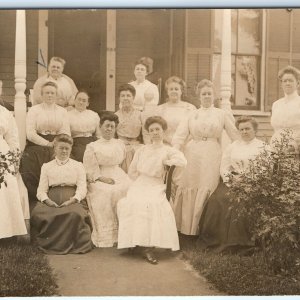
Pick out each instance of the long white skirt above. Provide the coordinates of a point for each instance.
(146, 217)
(11, 214)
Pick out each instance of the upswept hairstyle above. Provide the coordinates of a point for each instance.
(176, 79)
(289, 70)
(64, 138)
(59, 59)
(109, 116)
(156, 119)
(244, 119)
(49, 83)
(126, 87)
(203, 83)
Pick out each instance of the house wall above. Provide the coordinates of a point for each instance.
(7, 46)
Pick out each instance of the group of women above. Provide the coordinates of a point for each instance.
(117, 165)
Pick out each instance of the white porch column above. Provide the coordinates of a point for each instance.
(20, 75)
(111, 60)
(226, 60)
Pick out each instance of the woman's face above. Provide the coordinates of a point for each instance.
(108, 129)
(247, 131)
(140, 72)
(126, 99)
(156, 132)
(49, 94)
(289, 83)
(206, 96)
(174, 91)
(55, 69)
(62, 150)
(81, 101)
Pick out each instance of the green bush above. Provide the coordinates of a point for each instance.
(268, 193)
(24, 271)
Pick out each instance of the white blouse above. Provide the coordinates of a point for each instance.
(237, 155)
(8, 129)
(54, 173)
(150, 160)
(46, 119)
(286, 114)
(205, 123)
(140, 88)
(102, 154)
(174, 114)
(84, 123)
(130, 125)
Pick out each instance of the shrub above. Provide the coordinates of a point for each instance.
(268, 193)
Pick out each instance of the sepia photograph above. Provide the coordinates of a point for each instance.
(149, 152)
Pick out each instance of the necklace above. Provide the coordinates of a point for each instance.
(60, 162)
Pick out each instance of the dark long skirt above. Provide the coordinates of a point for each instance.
(33, 158)
(62, 230)
(221, 226)
(79, 145)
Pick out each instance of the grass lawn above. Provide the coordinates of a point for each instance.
(24, 270)
(237, 274)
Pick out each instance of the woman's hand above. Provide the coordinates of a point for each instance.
(106, 180)
(50, 203)
(50, 144)
(72, 200)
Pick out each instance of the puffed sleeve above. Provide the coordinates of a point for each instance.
(132, 171)
(154, 90)
(65, 128)
(225, 167)
(42, 191)
(81, 189)
(229, 125)
(90, 164)
(11, 136)
(182, 132)
(31, 128)
(175, 158)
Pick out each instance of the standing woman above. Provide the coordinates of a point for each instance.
(84, 125)
(61, 222)
(286, 111)
(11, 214)
(43, 122)
(107, 182)
(142, 68)
(130, 123)
(203, 153)
(145, 216)
(174, 110)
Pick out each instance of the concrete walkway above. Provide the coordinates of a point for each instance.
(112, 272)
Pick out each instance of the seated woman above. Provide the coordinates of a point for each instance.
(43, 122)
(62, 224)
(84, 125)
(107, 182)
(11, 215)
(130, 123)
(145, 216)
(221, 226)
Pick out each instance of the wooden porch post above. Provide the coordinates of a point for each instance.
(20, 75)
(111, 60)
(226, 60)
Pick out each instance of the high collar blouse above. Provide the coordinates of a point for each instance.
(46, 119)
(84, 123)
(54, 173)
(237, 155)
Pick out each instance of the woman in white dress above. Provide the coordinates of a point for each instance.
(84, 125)
(221, 226)
(203, 153)
(130, 123)
(43, 122)
(12, 221)
(286, 110)
(61, 222)
(145, 216)
(142, 85)
(107, 182)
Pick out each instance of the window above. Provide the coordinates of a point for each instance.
(246, 56)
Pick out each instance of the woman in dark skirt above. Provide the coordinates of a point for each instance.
(43, 122)
(84, 125)
(61, 222)
(221, 226)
